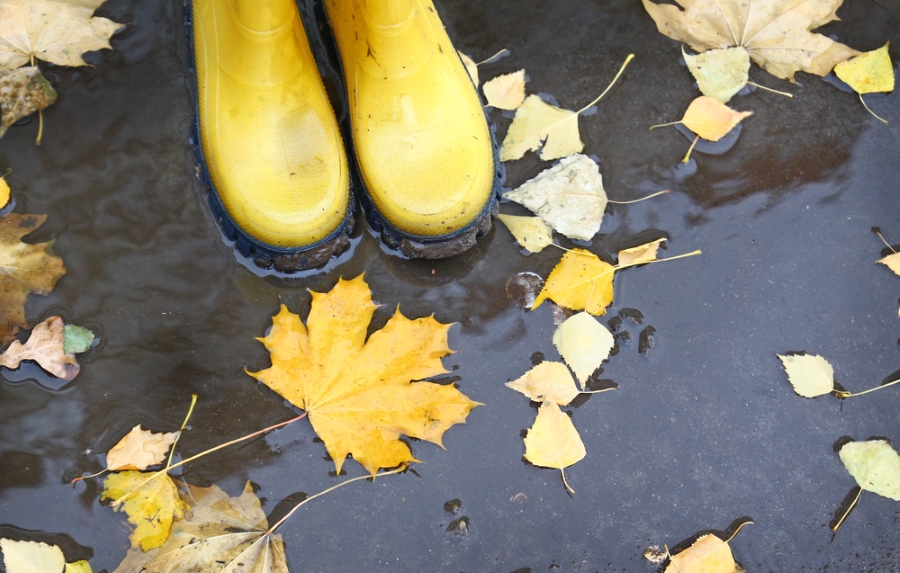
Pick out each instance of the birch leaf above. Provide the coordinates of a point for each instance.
(139, 450)
(640, 255)
(552, 441)
(506, 91)
(892, 262)
(580, 281)
(5, 191)
(875, 466)
(81, 566)
(584, 343)
(871, 72)
(151, 509)
(708, 554)
(23, 91)
(568, 196)
(538, 123)
(547, 382)
(711, 119)
(810, 375)
(31, 557)
(530, 232)
(776, 33)
(45, 346)
(471, 67)
(719, 73)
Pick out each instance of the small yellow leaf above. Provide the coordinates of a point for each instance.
(31, 557)
(711, 119)
(708, 554)
(530, 232)
(553, 441)
(471, 67)
(506, 91)
(548, 381)
(5, 193)
(584, 343)
(78, 567)
(870, 72)
(810, 375)
(892, 262)
(639, 255)
(139, 449)
(719, 73)
(875, 466)
(580, 281)
(537, 123)
(151, 509)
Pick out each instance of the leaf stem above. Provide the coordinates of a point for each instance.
(611, 84)
(870, 111)
(687, 156)
(738, 530)
(332, 488)
(880, 236)
(762, 87)
(180, 431)
(671, 560)
(843, 395)
(684, 256)
(657, 194)
(40, 134)
(119, 501)
(849, 509)
(666, 124)
(501, 54)
(566, 483)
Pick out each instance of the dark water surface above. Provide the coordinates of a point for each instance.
(703, 428)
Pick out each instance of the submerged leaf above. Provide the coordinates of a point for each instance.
(875, 466)
(360, 393)
(548, 381)
(711, 119)
(584, 343)
(708, 554)
(506, 91)
(539, 123)
(810, 375)
(720, 73)
(44, 346)
(23, 91)
(568, 196)
(139, 450)
(151, 508)
(580, 281)
(871, 72)
(530, 232)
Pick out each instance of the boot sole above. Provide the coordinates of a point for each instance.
(286, 260)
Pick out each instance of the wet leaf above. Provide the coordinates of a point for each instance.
(219, 534)
(568, 196)
(77, 339)
(360, 393)
(870, 72)
(708, 554)
(552, 441)
(151, 509)
(5, 192)
(23, 92)
(537, 124)
(24, 269)
(139, 450)
(506, 91)
(44, 346)
(719, 73)
(775, 33)
(641, 254)
(530, 232)
(471, 67)
(711, 119)
(580, 281)
(79, 567)
(892, 262)
(584, 343)
(810, 375)
(31, 557)
(875, 466)
(548, 381)
(58, 32)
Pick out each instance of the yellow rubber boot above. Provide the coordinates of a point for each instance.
(421, 139)
(269, 138)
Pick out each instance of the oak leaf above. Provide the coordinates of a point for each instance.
(537, 124)
(548, 381)
(580, 281)
(360, 394)
(719, 73)
(506, 91)
(775, 33)
(24, 269)
(219, 533)
(708, 554)
(870, 72)
(530, 232)
(139, 449)
(552, 441)
(810, 375)
(23, 91)
(152, 508)
(584, 343)
(711, 119)
(45, 346)
(875, 466)
(568, 196)
(58, 32)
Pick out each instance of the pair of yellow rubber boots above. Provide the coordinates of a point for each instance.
(276, 162)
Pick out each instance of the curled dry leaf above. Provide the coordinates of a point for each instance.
(810, 375)
(152, 508)
(775, 33)
(530, 232)
(506, 91)
(708, 554)
(719, 73)
(24, 269)
(875, 466)
(584, 343)
(360, 393)
(548, 381)
(568, 196)
(23, 91)
(537, 124)
(139, 450)
(711, 119)
(58, 32)
(552, 441)
(45, 346)
(871, 72)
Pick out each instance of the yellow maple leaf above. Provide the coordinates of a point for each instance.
(776, 33)
(552, 441)
(580, 281)
(139, 449)
(641, 254)
(56, 32)
(711, 119)
(24, 269)
(151, 508)
(360, 393)
(708, 554)
(506, 91)
(867, 73)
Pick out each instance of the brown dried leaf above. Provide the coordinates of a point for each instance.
(139, 450)
(44, 346)
(22, 92)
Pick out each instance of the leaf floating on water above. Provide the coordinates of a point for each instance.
(640, 255)
(892, 262)
(553, 441)
(77, 339)
(139, 450)
(548, 381)
(568, 196)
(710, 119)
(580, 281)
(530, 232)
(506, 91)
(44, 346)
(708, 554)
(152, 508)
(79, 567)
(360, 393)
(23, 92)
(776, 34)
(537, 124)
(870, 72)
(875, 466)
(584, 343)
(810, 375)
(720, 73)
(31, 557)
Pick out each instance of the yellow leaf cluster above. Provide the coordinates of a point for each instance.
(361, 395)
